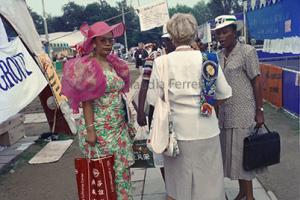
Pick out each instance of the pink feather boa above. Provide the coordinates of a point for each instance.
(83, 79)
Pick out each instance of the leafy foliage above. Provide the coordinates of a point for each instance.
(223, 7)
(38, 21)
(74, 15)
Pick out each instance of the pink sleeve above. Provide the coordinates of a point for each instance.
(82, 80)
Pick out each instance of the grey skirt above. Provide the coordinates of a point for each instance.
(232, 143)
(197, 173)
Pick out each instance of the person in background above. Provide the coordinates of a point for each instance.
(153, 54)
(195, 45)
(149, 47)
(97, 82)
(119, 53)
(203, 46)
(197, 172)
(167, 43)
(140, 55)
(206, 55)
(168, 47)
(244, 110)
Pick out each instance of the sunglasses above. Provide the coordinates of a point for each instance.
(107, 40)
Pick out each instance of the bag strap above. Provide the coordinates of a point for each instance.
(165, 78)
(256, 129)
(89, 174)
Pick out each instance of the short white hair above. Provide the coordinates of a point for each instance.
(182, 28)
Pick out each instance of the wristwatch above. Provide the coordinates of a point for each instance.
(260, 109)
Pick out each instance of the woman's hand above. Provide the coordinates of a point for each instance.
(91, 137)
(259, 118)
(141, 118)
(89, 121)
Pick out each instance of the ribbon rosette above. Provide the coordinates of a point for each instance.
(208, 87)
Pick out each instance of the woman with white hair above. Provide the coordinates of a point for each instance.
(197, 172)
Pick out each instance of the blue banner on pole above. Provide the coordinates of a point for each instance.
(291, 91)
(277, 20)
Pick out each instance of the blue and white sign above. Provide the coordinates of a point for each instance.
(21, 79)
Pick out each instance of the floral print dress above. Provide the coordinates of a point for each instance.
(112, 133)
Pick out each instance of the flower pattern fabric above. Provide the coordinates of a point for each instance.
(112, 133)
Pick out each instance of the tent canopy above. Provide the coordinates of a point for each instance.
(70, 38)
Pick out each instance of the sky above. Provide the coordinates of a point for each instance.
(54, 7)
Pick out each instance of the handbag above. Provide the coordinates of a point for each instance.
(95, 178)
(172, 149)
(143, 157)
(162, 137)
(261, 150)
(128, 116)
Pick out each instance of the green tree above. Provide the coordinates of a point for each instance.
(134, 35)
(38, 21)
(180, 9)
(55, 24)
(99, 12)
(92, 12)
(73, 16)
(201, 12)
(132, 26)
(223, 7)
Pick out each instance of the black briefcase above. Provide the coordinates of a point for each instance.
(261, 150)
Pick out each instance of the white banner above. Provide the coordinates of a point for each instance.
(204, 33)
(21, 79)
(3, 35)
(153, 16)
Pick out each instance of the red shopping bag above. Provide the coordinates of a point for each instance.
(95, 178)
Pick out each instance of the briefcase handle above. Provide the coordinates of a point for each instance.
(256, 129)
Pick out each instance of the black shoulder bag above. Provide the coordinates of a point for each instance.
(261, 150)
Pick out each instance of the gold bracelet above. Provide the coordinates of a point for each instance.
(90, 125)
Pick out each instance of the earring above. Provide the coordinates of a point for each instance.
(94, 50)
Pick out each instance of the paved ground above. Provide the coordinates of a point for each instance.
(56, 181)
(284, 179)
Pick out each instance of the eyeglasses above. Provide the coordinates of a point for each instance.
(106, 40)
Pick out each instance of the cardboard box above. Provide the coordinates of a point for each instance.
(12, 130)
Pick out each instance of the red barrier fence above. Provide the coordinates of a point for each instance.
(272, 83)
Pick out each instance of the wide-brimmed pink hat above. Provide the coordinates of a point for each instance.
(99, 29)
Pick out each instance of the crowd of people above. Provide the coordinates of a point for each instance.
(210, 118)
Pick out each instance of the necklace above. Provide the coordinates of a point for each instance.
(183, 47)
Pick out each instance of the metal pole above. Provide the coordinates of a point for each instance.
(125, 35)
(103, 2)
(45, 27)
(245, 24)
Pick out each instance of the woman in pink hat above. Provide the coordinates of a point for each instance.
(97, 82)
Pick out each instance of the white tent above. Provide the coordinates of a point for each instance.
(71, 38)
